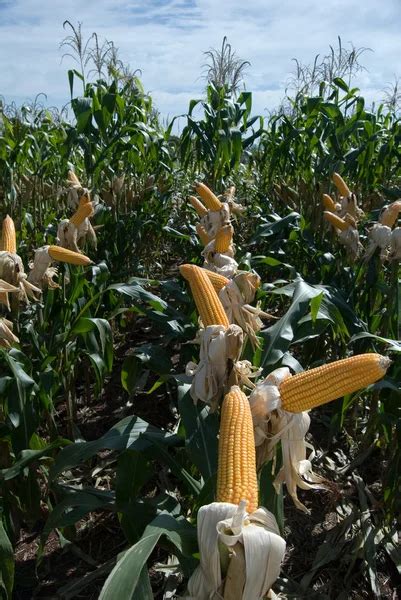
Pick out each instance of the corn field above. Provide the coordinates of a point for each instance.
(200, 374)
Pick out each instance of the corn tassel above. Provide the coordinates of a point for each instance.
(236, 473)
(211, 201)
(207, 302)
(9, 241)
(218, 281)
(202, 233)
(336, 221)
(198, 206)
(328, 203)
(341, 185)
(68, 256)
(84, 211)
(223, 239)
(306, 390)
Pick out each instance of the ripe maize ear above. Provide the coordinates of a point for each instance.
(84, 199)
(390, 215)
(340, 185)
(211, 201)
(223, 239)
(236, 472)
(336, 221)
(306, 390)
(207, 302)
(218, 281)
(68, 256)
(84, 211)
(9, 240)
(202, 233)
(198, 206)
(328, 203)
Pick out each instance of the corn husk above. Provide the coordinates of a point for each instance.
(218, 346)
(7, 338)
(272, 425)
(221, 528)
(235, 298)
(215, 219)
(12, 271)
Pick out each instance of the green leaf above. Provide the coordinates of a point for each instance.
(130, 433)
(124, 579)
(6, 565)
(278, 338)
(201, 432)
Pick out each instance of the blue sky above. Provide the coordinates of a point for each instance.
(166, 40)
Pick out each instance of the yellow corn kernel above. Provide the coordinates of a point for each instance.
(218, 281)
(306, 390)
(336, 221)
(236, 472)
(211, 201)
(328, 203)
(68, 256)
(9, 240)
(202, 233)
(84, 199)
(223, 239)
(207, 302)
(341, 185)
(84, 210)
(198, 206)
(390, 215)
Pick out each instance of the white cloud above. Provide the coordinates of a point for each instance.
(166, 40)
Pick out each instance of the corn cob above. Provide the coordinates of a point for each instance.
(68, 256)
(198, 206)
(202, 233)
(341, 185)
(336, 221)
(236, 473)
(328, 203)
(223, 239)
(218, 281)
(390, 214)
(318, 386)
(207, 302)
(84, 199)
(84, 210)
(8, 242)
(211, 201)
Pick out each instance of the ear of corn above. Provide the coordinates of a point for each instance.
(202, 233)
(223, 239)
(84, 210)
(318, 386)
(84, 199)
(211, 201)
(236, 473)
(340, 185)
(9, 240)
(198, 206)
(207, 302)
(68, 256)
(218, 281)
(336, 221)
(328, 203)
